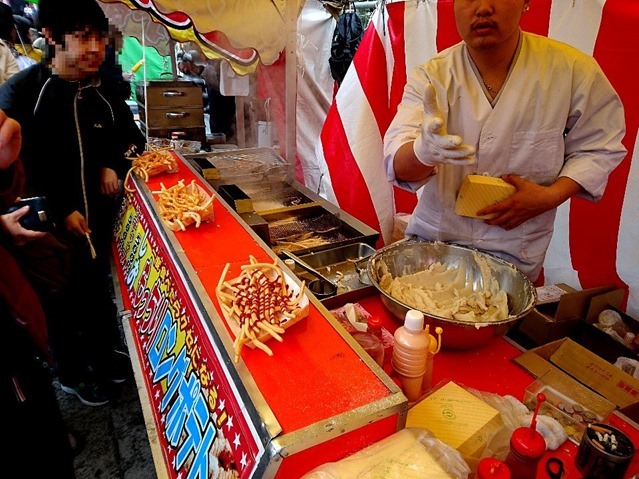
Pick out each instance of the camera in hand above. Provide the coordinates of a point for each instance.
(38, 218)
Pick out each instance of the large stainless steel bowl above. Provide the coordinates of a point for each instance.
(411, 256)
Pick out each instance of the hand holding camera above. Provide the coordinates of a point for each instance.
(27, 219)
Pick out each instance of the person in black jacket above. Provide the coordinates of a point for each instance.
(75, 135)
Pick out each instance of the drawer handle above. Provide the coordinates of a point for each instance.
(173, 115)
(172, 93)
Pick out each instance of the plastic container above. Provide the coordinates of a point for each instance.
(371, 344)
(410, 354)
(573, 405)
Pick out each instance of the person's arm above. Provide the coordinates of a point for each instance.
(529, 200)
(10, 140)
(125, 135)
(407, 167)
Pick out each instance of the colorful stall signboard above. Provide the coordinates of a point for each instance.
(202, 423)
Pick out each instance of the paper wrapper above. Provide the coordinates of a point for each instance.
(206, 214)
(169, 165)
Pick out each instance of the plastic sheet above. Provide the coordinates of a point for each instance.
(409, 453)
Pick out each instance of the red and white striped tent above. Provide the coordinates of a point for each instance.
(594, 243)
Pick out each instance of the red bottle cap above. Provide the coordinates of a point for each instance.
(527, 443)
(374, 322)
(491, 468)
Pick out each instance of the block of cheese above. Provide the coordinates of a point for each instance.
(458, 418)
(479, 191)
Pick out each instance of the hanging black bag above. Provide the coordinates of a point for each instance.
(346, 37)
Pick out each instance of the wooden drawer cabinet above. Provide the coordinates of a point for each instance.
(171, 106)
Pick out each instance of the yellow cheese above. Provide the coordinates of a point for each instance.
(478, 192)
(456, 417)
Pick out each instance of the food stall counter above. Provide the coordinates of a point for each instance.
(316, 399)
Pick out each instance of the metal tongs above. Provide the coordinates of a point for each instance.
(322, 287)
(361, 267)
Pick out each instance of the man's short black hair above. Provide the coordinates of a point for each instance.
(6, 21)
(70, 16)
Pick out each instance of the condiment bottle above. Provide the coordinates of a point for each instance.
(433, 348)
(410, 354)
(527, 446)
(491, 468)
(374, 326)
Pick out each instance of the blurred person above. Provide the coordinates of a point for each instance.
(221, 107)
(536, 112)
(111, 74)
(23, 42)
(76, 133)
(33, 421)
(8, 64)
(9, 35)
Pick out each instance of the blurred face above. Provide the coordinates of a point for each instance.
(489, 24)
(81, 54)
(187, 67)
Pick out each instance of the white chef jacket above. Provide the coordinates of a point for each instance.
(556, 115)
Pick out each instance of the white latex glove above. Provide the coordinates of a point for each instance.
(435, 145)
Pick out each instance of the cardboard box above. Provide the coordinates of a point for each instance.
(556, 317)
(569, 358)
(599, 342)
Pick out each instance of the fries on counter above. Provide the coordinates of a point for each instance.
(182, 205)
(260, 304)
(151, 163)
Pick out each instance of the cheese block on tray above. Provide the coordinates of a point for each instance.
(478, 192)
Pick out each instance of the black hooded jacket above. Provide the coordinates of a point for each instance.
(70, 132)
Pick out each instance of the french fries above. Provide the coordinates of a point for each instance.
(182, 205)
(151, 163)
(261, 303)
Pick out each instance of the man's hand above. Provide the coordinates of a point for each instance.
(109, 182)
(528, 201)
(10, 223)
(435, 145)
(76, 224)
(10, 140)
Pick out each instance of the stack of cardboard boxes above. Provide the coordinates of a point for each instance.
(572, 348)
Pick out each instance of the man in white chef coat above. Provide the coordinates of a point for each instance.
(504, 103)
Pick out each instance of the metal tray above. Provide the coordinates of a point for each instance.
(311, 229)
(339, 265)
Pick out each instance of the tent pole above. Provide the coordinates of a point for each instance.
(173, 59)
(291, 81)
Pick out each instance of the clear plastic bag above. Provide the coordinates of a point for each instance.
(409, 453)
